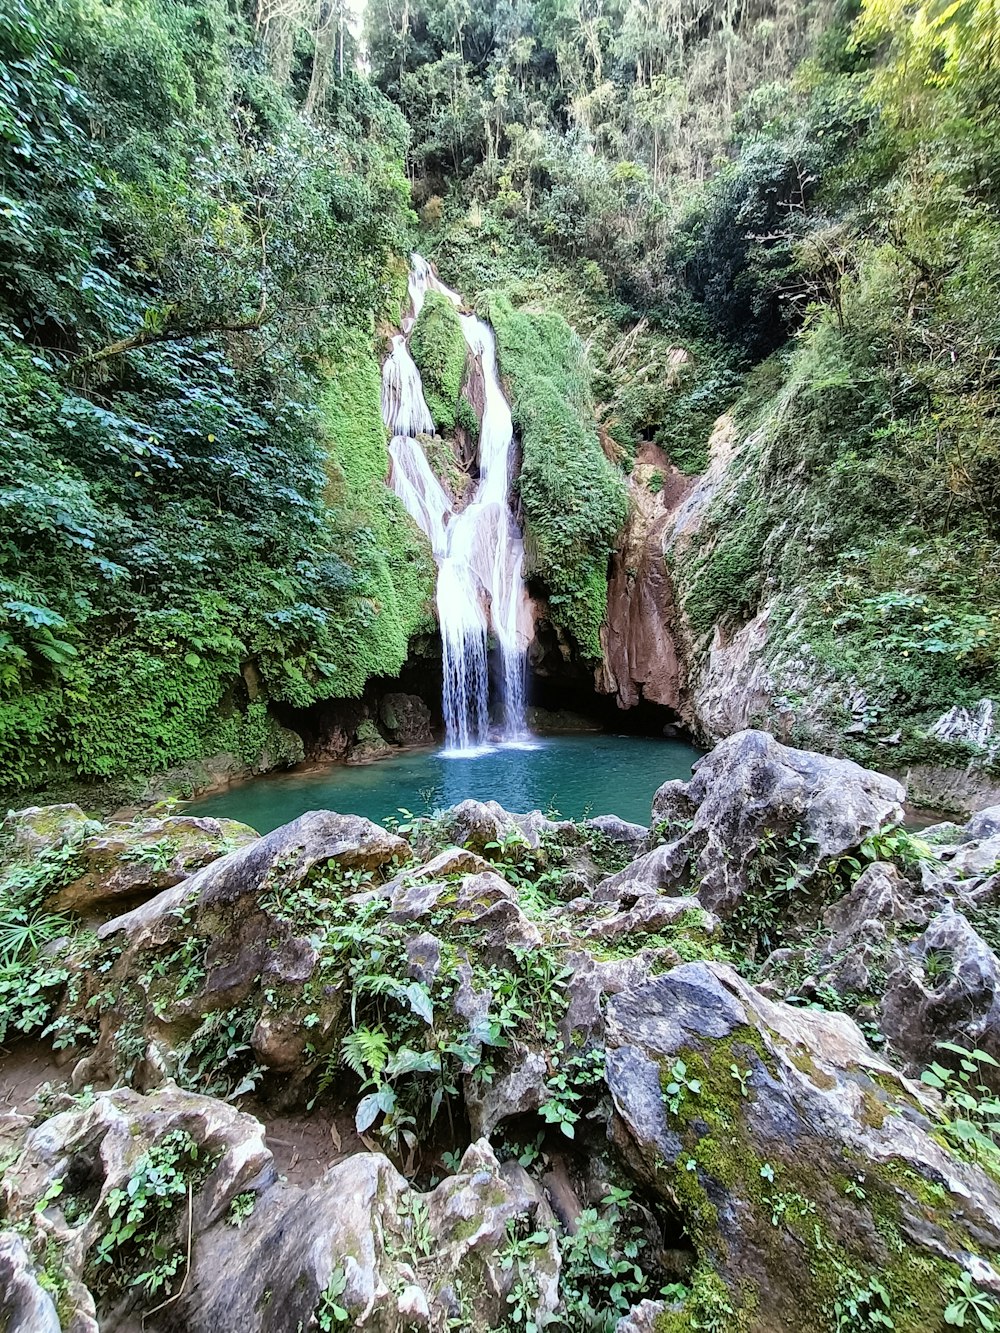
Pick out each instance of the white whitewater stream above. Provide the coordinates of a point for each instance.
(478, 549)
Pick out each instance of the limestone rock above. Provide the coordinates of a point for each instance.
(642, 1318)
(126, 861)
(406, 719)
(93, 1151)
(788, 1143)
(475, 824)
(223, 931)
(619, 831)
(394, 1252)
(25, 1306)
(39, 827)
(753, 800)
(946, 988)
(313, 838)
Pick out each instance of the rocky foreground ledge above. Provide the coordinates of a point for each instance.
(574, 1076)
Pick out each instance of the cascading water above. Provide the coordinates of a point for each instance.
(479, 549)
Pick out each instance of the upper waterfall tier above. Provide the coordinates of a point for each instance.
(403, 407)
(479, 549)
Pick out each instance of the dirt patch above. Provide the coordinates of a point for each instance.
(24, 1070)
(305, 1145)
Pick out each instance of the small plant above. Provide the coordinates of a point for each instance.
(520, 1254)
(967, 1304)
(601, 1275)
(938, 964)
(862, 1304)
(971, 1112)
(330, 1314)
(896, 843)
(679, 1086)
(568, 1084)
(655, 482)
(742, 1077)
(241, 1208)
(142, 1240)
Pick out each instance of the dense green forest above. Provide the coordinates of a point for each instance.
(187, 487)
(206, 213)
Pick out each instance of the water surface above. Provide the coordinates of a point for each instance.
(575, 775)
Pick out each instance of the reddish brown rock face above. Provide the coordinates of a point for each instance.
(641, 657)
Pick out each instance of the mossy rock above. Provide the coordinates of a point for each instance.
(438, 348)
(806, 1168)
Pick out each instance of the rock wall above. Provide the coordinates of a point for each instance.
(640, 658)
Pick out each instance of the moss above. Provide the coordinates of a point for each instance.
(709, 1306)
(574, 500)
(805, 1064)
(438, 347)
(393, 570)
(873, 1109)
(795, 1194)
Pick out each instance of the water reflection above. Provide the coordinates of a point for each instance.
(575, 775)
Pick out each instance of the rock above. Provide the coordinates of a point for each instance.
(313, 838)
(394, 1253)
(755, 807)
(880, 893)
(219, 942)
(407, 719)
(41, 827)
(126, 861)
(553, 721)
(664, 870)
(651, 914)
(476, 824)
(484, 901)
(92, 1151)
(946, 988)
(642, 1318)
(640, 658)
(370, 745)
(984, 824)
(975, 726)
(25, 1306)
(619, 831)
(795, 1154)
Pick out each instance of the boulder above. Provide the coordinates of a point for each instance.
(128, 861)
(406, 719)
(756, 809)
(946, 987)
(59, 1187)
(391, 1255)
(290, 851)
(477, 824)
(358, 1237)
(620, 832)
(219, 942)
(25, 1306)
(643, 1318)
(41, 827)
(803, 1164)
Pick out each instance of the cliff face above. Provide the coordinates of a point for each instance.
(761, 656)
(640, 655)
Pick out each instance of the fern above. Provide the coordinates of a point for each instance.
(366, 1051)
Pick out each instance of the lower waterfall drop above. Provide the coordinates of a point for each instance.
(479, 549)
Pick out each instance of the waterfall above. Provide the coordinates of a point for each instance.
(479, 550)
